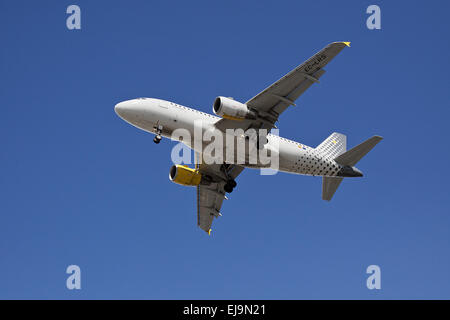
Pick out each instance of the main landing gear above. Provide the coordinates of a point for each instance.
(231, 183)
(229, 186)
(158, 136)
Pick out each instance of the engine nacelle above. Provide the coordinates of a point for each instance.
(184, 175)
(231, 109)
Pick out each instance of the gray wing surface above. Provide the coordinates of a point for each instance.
(273, 100)
(329, 186)
(210, 197)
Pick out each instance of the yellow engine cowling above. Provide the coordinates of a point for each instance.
(184, 175)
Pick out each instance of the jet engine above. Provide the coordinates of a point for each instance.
(231, 109)
(184, 175)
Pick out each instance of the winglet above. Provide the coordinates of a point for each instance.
(346, 43)
(209, 232)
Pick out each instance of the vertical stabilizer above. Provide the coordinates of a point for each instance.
(330, 148)
(333, 146)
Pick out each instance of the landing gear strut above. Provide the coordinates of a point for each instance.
(158, 136)
(231, 183)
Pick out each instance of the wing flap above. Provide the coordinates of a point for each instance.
(209, 202)
(292, 93)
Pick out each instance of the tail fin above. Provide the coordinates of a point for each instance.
(352, 156)
(330, 148)
(333, 146)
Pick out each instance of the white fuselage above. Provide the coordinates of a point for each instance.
(150, 114)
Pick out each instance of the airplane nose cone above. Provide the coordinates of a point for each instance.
(121, 108)
(127, 110)
(130, 111)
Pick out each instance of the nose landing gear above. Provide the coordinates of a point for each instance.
(158, 137)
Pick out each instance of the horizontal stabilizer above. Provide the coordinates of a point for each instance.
(329, 187)
(352, 156)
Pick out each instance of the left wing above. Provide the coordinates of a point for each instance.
(273, 100)
(210, 197)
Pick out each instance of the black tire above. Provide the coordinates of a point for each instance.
(228, 188)
(232, 183)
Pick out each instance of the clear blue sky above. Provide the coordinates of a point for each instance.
(80, 186)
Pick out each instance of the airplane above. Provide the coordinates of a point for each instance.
(330, 159)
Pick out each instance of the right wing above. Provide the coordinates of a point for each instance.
(210, 197)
